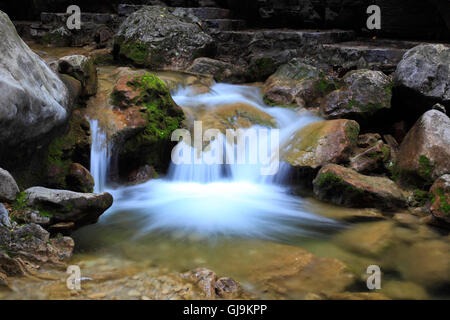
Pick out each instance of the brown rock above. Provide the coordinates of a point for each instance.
(343, 186)
(205, 279)
(227, 288)
(440, 207)
(372, 159)
(80, 179)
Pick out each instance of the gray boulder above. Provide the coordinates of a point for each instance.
(425, 70)
(155, 38)
(69, 206)
(4, 217)
(8, 186)
(33, 99)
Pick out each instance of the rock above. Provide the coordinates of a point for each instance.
(68, 206)
(141, 175)
(401, 290)
(343, 186)
(235, 116)
(227, 288)
(297, 84)
(357, 296)
(373, 159)
(205, 279)
(406, 219)
(424, 154)
(369, 239)
(80, 179)
(440, 206)
(4, 217)
(3, 280)
(34, 100)
(320, 143)
(426, 263)
(73, 146)
(364, 94)
(28, 215)
(8, 186)
(439, 107)
(222, 71)
(30, 246)
(154, 38)
(151, 116)
(424, 73)
(82, 69)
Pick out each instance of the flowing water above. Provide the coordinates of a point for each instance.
(231, 219)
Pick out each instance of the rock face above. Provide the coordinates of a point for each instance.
(343, 186)
(68, 206)
(297, 84)
(34, 100)
(154, 38)
(82, 69)
(425, 73)
(152, 116)
(8, 186)
(424, 154)
(440, 206)
(320, 143)
(364, 94)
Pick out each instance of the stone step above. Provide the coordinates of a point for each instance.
(380, 54)
(235, 42)
(224, 24)
(203, 13)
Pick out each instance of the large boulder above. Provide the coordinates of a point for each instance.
(68, 206)
(296, 84)
(320, 143)
(364, 94)
(155, 38)
(424, 74)
(440, 206)
(344, 186)
(424, 154)
(8, 186)
(34, 100)
(82, 69)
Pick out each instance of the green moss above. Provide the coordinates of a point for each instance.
(420, 197)
(386, 152)
(329, 179)
(20, 202)
(426, 167)
(136, 51)
(444, 201)
(352, 131)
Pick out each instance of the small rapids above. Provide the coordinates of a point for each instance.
(213, 199)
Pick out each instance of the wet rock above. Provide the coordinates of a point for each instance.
(426, 263)
(424, 154)
(371, 160)
(222, 71)
(290, 269)
(227, 288)
(205, 279)
(80, 179)
(141, 175)
(82, 69)
(364, 94)
(401, 290)
(27, 215)
(343, 186)
(68, 206)
(8, 186)
(320, 143)
(148, 116)
(155, 38)
(235, 116)
(297, 84)
(34, 100)
(406, 219)
(3, 280)
(440, 206)
(71, 147)
(368, 140)
(424, 74)
(73, 85)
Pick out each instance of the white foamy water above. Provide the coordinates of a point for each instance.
(213, 199)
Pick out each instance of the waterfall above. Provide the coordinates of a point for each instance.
(212, 199)
(99, 156)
